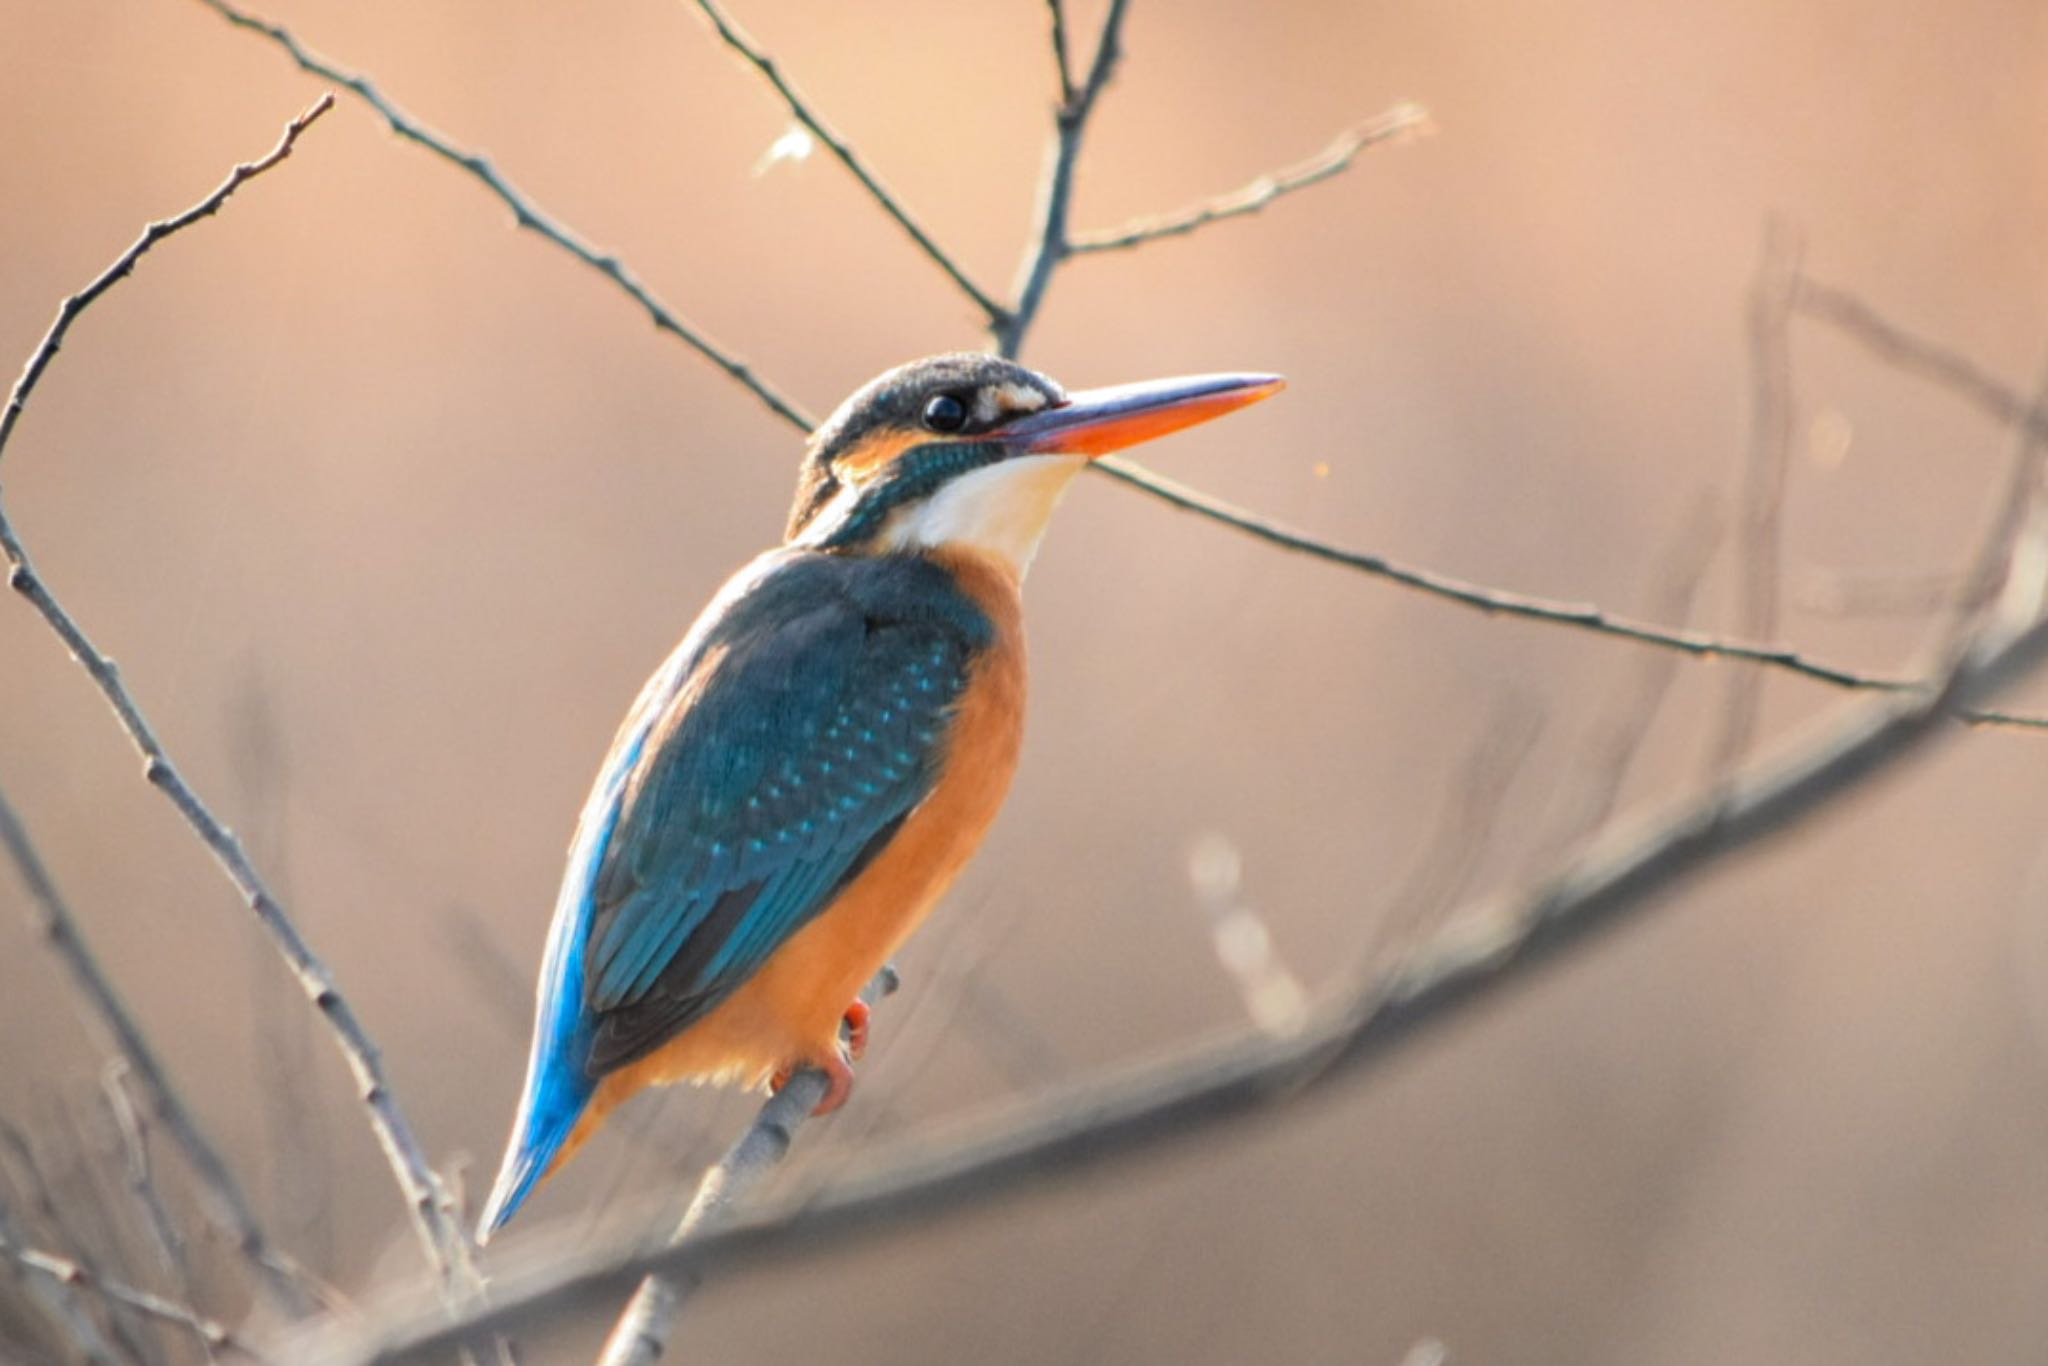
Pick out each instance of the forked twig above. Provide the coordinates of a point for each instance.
(1856, 319)
(1056, 191)
(1331, 162)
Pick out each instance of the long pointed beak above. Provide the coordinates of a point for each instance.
(1097, 421)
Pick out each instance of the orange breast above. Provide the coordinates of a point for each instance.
(789, 1012)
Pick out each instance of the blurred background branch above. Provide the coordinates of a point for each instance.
(225, 1200)
(446, 1242)
(1457, 858)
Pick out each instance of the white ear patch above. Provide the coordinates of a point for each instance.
(995, 403)
(1001, 509)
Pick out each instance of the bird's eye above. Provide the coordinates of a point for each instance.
(945, 413)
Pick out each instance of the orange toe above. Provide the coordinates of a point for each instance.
(838, 1077)
(856, 1026)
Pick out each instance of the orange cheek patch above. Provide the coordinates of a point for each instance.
(875, 453)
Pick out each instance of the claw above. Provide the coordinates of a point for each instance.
(855, 1024)
(839, 1083)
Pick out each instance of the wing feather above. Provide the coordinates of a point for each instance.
(811, 722)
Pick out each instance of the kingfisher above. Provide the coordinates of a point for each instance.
(801, 780)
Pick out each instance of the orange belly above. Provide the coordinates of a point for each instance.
(787, 1014)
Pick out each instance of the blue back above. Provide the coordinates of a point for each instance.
(779, 748)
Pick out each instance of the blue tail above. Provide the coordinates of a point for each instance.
(537, 1135)
(557, 1086)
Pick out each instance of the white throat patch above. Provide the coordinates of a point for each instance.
(1001, 510)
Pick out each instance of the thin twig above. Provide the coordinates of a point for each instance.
(1476, 795)
(225, 1201)
(642, 1332)
(1768, 318)
(737, 39)
(1603, 760)
(1331, 162)
(1897, 593)
(68, 311)
(131, 1128)
(73, 1275)
(1063, 67)
(1814, 299)
(524, 212)
(61, 1304)
(77, 1203)
(1946, 369)
(444, 1239)
(1553, 611)
(1056, 191)
(643, 1329)
(1615, 883)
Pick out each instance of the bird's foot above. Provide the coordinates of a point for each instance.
(855, 1023)
(838, 1078)
(838, 1067)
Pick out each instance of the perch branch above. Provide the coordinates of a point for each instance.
(1614, 883)
(642, 1332)
(441, 1235)
(524, 212)
(1333, 161)
(736, 38)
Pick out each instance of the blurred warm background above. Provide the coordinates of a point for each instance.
(386, 509)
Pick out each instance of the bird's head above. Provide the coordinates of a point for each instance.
(973, 451)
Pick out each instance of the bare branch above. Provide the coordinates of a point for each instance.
(1443, 873)
(66, 1312)
(131, 1128)
(1056, 192)
(1946, 369)
(1623, 724)
(53, 340)
(524, 211)
(1060, 63)
(1333, 161)
(73, 1275)
(1894, 593)
(643, 1330)
(225, 1201)
(445, 1241)
(1614, 883)
(1582, 615)
(1812, 298)
(736, 38)
(1768, 318)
